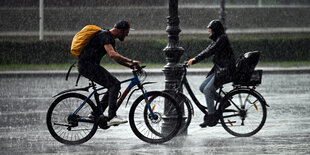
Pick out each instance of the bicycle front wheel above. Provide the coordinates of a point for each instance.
(186, 109)
(246, 115)
(162, 125)
(69, 128)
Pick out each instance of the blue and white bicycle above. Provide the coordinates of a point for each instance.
(69, 122)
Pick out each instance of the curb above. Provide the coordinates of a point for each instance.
(152, 71)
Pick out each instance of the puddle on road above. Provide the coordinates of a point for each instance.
(24, 103)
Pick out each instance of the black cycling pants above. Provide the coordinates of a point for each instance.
(101, 76)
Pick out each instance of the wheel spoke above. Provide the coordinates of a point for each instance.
(248, 120)
(65, 127)
(153, 128)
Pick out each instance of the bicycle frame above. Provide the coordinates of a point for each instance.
(184, 82)
(133, 82)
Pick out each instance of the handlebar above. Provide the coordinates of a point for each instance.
(138, 69)
(185, 64)
(140, 73)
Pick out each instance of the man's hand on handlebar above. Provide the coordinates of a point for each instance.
(135, 65)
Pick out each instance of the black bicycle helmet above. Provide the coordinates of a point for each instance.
(217, 28)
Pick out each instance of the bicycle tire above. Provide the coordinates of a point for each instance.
(187, 112)
(186, 109)
(58, 123)
(253, 111)
(140, 121)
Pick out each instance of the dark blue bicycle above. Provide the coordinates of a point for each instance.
(69, 120)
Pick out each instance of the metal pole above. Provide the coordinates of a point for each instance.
(172, 70)
(259, 3)
(223, 14)
(41, 22)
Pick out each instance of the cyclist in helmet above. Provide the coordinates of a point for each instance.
(103, 43)
(222, 71)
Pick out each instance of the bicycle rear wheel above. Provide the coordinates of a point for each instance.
(66, 127)
(163, 126)
(246, 115)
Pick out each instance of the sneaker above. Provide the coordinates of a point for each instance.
(116, 121)
(91, 116)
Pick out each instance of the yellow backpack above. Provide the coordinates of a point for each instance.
(82, 38)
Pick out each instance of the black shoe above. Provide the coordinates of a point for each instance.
(204, 124)
(209, 120)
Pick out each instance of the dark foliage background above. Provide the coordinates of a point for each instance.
(151, 50)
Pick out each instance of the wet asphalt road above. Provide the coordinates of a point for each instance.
(25, 100)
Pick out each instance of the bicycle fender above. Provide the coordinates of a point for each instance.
(130, 96)
(260, 95)
(72, 90)
(254, 91)
(145, 83)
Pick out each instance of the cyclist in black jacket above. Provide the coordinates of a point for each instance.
(222, 71)
(89, 64)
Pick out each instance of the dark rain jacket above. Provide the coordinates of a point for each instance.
(223, 59)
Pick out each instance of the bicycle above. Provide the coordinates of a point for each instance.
(243, 118)
(69, 120)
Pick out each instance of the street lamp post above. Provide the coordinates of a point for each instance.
(172, 70)
(41, 20)
(223, 14)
